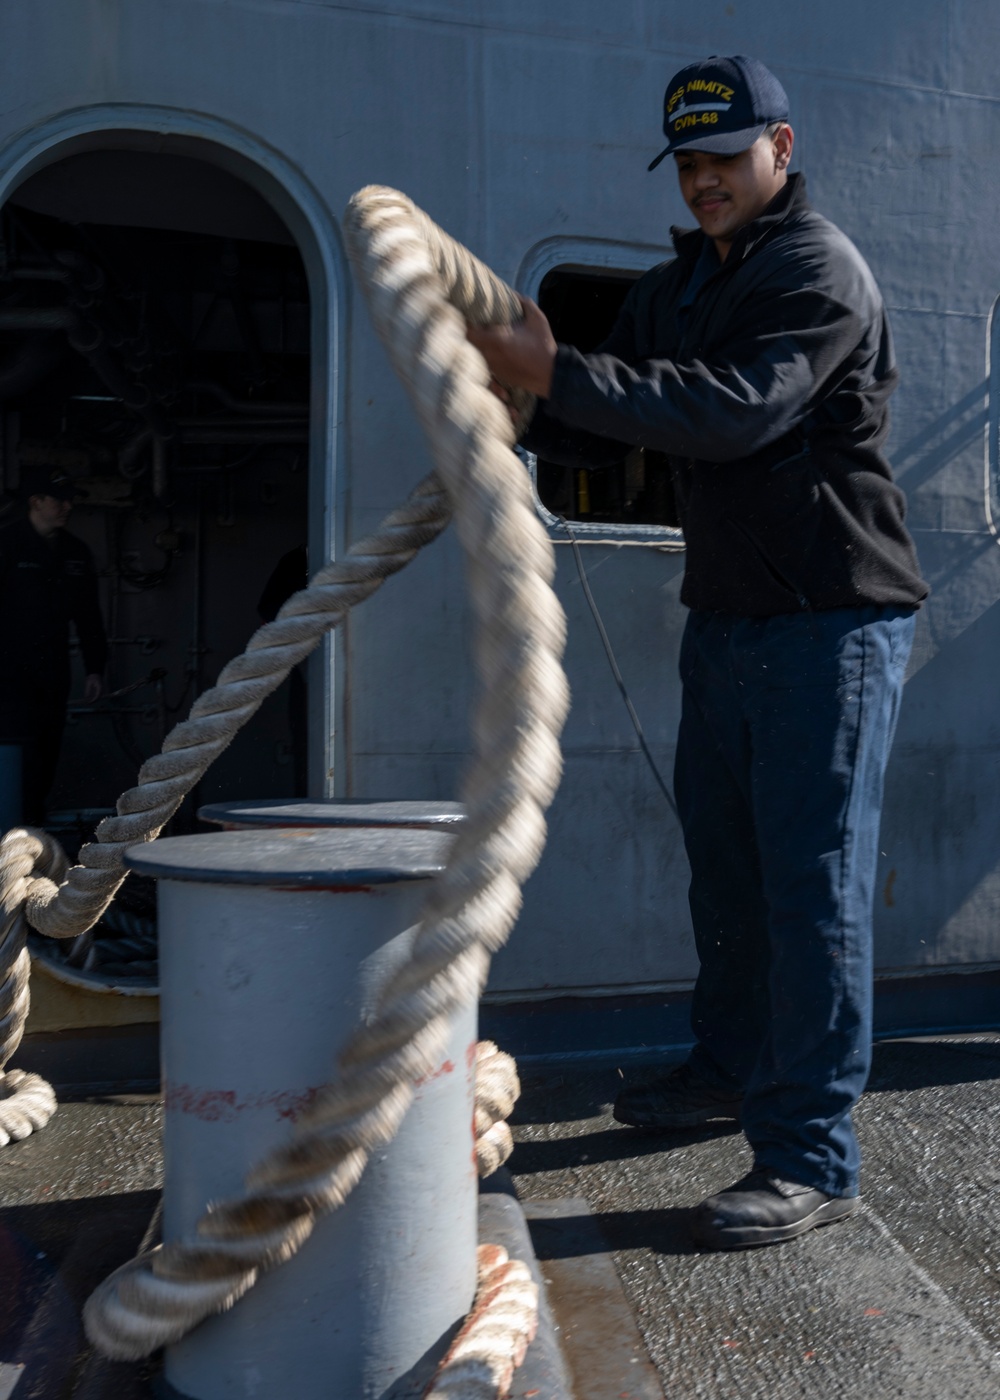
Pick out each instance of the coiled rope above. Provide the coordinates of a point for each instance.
(497, 1091)
(481, 1361)
(421, 287)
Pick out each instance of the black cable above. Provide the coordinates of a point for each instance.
(619, 681)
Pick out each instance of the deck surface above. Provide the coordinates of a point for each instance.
(903, 1300)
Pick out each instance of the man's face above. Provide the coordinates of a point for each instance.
(48, 513)
(726, 192)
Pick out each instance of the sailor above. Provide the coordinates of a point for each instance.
(47, 581)
(760, 360)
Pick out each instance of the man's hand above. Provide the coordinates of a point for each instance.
(522, 356)
(92, 687)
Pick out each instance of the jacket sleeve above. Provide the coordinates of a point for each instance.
(86, 615)
(555, 441)
(785, 348)
(558, 440)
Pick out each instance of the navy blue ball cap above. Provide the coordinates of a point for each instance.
(37, 480)
(722, 105)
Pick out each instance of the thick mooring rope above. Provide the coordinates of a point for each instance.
(421, 286)
(497, 1091)
(504, 1319)
(34, 883)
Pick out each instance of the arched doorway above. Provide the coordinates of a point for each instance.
(169, 328)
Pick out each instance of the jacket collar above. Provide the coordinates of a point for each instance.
(790, 200)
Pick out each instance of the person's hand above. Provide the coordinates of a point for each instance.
(523, 355)
(92, 687)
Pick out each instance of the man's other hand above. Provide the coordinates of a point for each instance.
(92, 687)
(522, 356)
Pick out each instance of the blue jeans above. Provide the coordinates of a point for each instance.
(785, 730)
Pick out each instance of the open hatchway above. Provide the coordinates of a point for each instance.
(154, 344)
(582, 305)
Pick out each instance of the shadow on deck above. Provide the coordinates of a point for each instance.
(901, 1300)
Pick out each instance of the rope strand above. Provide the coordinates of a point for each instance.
(421, 286)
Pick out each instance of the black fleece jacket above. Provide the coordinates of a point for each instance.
(771, 405)
(46, 584)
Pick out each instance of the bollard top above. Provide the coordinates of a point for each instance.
(296, 857)
(352, 811)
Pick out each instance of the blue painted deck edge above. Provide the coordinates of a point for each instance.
(565, 1028)
(659, 1024)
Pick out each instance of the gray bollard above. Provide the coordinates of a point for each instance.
(272, 945)
(353, 811)
(11, 796)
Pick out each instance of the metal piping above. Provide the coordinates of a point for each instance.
(254, 437)
(88, 340)
(224, 422)
(130, 464)
(248, 407)
(63, 265)
(72, 267)
(37, 318)
(159, 467)
(28, 366)
(85, 280)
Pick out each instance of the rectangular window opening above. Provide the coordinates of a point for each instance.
(582, 305)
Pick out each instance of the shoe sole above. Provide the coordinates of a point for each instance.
(695, 1119)
(751, 1236)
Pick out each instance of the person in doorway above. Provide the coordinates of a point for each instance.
(760, 361)
(47, 581)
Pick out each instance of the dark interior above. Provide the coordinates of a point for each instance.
(582, 306)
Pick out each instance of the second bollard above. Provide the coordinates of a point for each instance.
(351, 811)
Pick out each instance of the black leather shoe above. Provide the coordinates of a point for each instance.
(764, 1209)
(679, 1099)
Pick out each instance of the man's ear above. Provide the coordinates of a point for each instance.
(783, 143)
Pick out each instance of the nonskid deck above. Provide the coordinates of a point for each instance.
(901, 1301)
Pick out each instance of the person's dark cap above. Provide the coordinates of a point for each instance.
(48, 481)
(722, 105)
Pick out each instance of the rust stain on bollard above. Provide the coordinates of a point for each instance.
(223, 1105)
(447, 1068)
